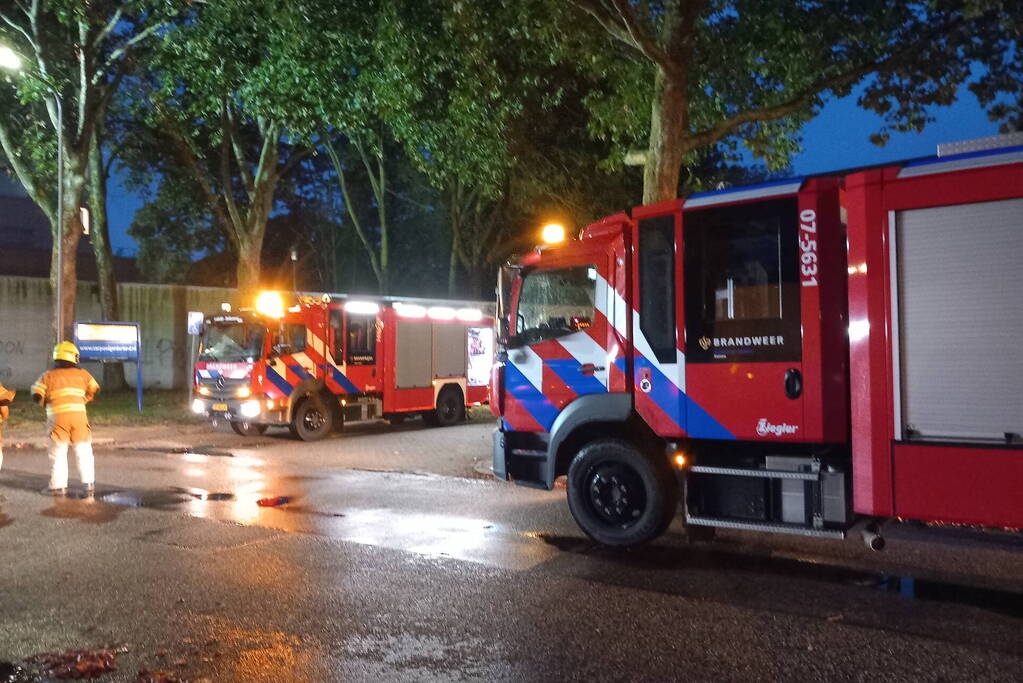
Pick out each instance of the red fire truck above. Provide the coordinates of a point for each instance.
(809, 356)
(324, 362)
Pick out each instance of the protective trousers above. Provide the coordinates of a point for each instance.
(58, 463)
(70, 429)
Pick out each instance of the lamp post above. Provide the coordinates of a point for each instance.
(10, 61)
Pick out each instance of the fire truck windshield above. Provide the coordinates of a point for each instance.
(233, 342)
(556, 302)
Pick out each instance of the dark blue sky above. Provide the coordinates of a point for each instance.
(838, 138)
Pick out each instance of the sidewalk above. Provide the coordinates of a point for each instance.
(34, 436)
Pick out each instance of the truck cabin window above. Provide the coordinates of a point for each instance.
(742, 283)
(231, 342)
(362, 339)
(553, 303)
(294, 337)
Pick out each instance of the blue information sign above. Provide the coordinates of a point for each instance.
(110, 341)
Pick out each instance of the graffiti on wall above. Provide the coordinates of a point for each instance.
(10, 350)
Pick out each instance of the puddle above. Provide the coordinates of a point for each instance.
(91, 511)
(194, 451)
(661, 557)
(203, 494)
(145, 499)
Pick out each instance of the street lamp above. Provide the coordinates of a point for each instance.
(11, 61)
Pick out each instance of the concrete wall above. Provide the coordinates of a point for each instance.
(26, 308)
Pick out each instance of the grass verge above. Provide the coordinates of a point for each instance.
(116, 409)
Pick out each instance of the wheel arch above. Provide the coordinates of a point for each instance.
(589, 418)
(309, 387)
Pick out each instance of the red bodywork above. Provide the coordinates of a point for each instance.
(945, 482)
(845, 358)
(324, 361)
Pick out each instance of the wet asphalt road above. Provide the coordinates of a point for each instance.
(395, 559)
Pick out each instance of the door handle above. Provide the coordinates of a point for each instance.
(590, 368)
(793, 383)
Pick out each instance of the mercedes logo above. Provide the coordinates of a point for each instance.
(220, 382)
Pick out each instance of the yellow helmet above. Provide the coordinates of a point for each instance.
(66, 351)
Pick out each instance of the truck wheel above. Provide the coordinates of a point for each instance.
(450, 408)
(247, 428)
(619, 496)
(312, 420)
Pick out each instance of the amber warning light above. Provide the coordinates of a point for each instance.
(270, 304)
(553, 233)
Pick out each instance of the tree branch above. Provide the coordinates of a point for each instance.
(227, 187)
(603, 16)
(24, 173)
(805, 98)
(294, 159)
(108, 29)
(231, 132)
(271, 132)
(122, 50)
(183, 151)
(646, 42)
(20, 29)
(369, 169)
(339, 169)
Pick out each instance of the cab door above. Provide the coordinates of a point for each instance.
(560, 344)
(361, 335)
(742, 321)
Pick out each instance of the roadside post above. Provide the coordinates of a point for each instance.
(111, 341)
(195, 323)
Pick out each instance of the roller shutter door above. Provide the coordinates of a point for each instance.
(414, 353)
(960, 309)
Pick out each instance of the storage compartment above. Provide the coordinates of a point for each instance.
(449, 350)
(414, 348)
(959, 360)
(743, 498)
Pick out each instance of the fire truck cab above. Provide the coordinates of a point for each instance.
(326, 361)
(789, 357)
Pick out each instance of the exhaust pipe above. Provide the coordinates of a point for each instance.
(872, 537)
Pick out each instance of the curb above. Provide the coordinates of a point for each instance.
(43, 445)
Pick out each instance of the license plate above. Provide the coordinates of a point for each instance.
(220, 407)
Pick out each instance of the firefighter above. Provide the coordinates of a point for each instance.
(64, 390)
(6, 396)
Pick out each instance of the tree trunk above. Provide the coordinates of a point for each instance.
(385, 274)
(669, 121)
(456, 229)
(476, 283)
(113, 373)
(248, 271)
(74, 183)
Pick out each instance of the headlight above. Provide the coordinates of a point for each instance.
(204, 391)
(198, 406)
(243, 392)
(249, 409)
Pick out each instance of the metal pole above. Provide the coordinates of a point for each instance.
(59, 294)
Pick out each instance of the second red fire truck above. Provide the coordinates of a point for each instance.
(809, 352)
(323, 362)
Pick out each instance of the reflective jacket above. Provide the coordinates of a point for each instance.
(65, 391)
(6, 397)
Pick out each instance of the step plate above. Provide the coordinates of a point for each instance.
(762, 474)
(760, 526)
